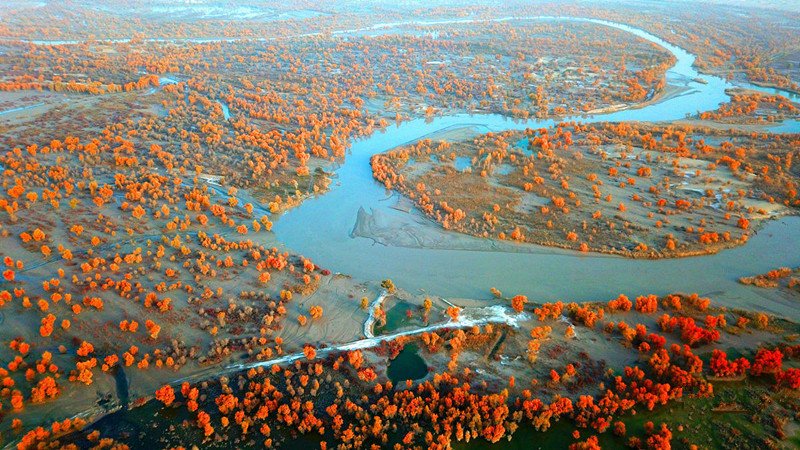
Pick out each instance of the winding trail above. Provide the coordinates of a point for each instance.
(369, 324)
(469, 317)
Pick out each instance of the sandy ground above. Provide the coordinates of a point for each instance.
(676, 178)
(341, 322)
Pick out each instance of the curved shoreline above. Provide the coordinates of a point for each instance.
(468, 273)
(369, 324)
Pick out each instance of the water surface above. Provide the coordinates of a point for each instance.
(320, 227)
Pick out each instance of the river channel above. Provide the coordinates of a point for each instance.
(321, 227)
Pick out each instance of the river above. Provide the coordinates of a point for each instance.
(320, 227)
